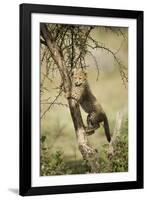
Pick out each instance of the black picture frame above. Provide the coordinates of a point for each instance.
(25, 187)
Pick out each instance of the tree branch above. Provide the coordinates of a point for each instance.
(56, 103)
(52, 103)
(86, 150)
(121, 66)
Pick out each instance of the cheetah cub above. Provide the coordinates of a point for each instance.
(81, 92)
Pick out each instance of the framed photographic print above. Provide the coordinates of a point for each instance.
(81, 99)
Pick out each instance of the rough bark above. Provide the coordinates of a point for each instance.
(88, 153)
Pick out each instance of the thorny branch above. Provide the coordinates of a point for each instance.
(96, 64)
(75, 43)
(56, 103)
(118, 61)
(52, 103)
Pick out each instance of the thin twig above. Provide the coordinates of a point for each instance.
(47, 77)
(51, 103)
(56, 103)
(96, 64)
(121, 66)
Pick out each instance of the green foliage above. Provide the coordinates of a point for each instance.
(52, 164)
(119, 161)
(56, 164)
(78, 167)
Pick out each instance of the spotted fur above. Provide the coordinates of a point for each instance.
(82, 93)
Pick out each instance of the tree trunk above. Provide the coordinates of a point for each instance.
(88, 153)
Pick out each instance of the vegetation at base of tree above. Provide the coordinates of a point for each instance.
(119, 161)
(56, 164)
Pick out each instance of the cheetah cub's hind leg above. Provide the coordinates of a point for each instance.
(90, 129)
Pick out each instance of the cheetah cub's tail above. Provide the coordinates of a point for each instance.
(106, 128)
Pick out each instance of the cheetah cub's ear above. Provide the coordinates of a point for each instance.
(78, 71)
(83, 71)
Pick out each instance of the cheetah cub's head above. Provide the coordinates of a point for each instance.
(79, 77)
